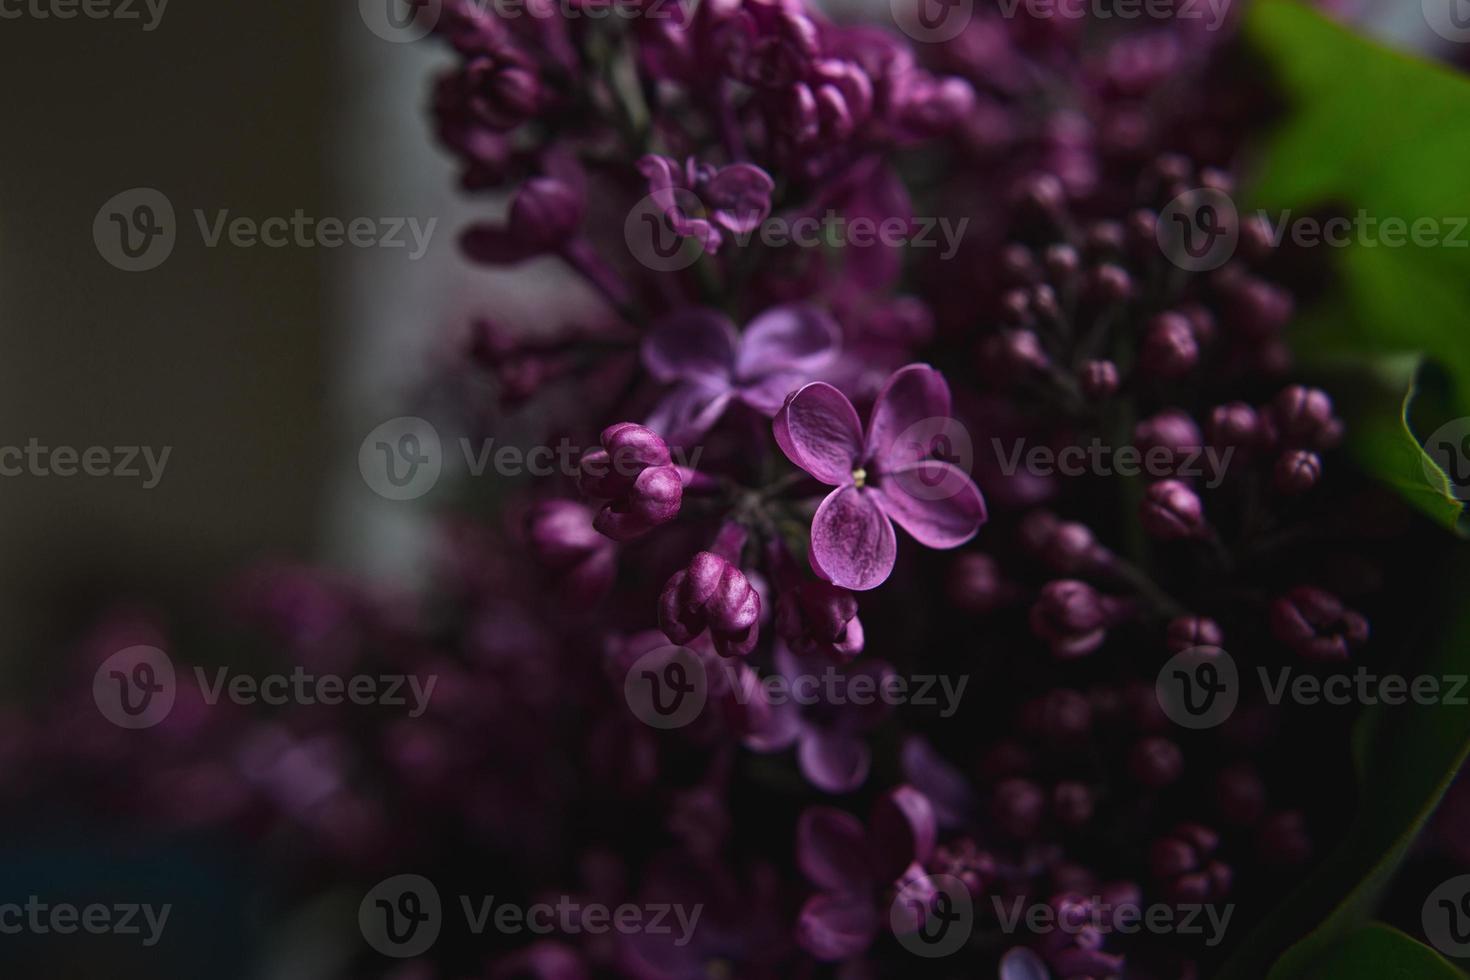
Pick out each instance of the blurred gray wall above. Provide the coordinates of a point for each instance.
(218, 352)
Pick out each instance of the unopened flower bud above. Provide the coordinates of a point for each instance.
(820, 618)
(1071, 617)
(1156, 762)
(1316, 625)
(1234, 425)
(1297, 471)
(1172, 511)
(1098, 379)
(1018, 806)
(1186, 632)
(975, 583)
(1169, 349)
(634, 473)
(1303, 418)
(711, 594)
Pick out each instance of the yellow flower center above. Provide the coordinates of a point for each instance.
(859, 476)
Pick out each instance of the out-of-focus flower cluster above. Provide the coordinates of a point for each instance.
(767, 418)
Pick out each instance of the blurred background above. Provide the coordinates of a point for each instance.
(260, 370)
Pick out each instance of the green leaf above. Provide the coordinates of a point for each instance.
(1380, 952)
(1373, 129)
(1382, 134)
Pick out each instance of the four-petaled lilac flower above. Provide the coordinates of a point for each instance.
(853, 864)
(705, 202)
(710, 363)
(883, 477)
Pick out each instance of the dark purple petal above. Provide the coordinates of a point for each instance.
(852, 540)
(819, 431)
(934, 501)
(946, 787)
(833, 762)
(797, 338)
(739, 196)
(904, 831)
(1021, 963)
(913, 394)
(696, 345)
(687, 411)
(831, 849)
(768, 394)
(836, 927)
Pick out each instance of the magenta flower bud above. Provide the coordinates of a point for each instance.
(1141, 228)
(1105, 237)
(1303, 417)
(1169, 349)
(503, 89)
(1015, 308)
(562, 538)
(1013, 352)
(1234, 425)
(1062, 263)
(634, 473)
(1283, 839)
(964, 860)
(818, 617)
(1184, 866)
(1297, 471)
(1044, 303)
(1256, 238)
(1059, 717)
(1171, 511)
(546, 213)
(1110, 283)
(975, 583)
(1018, 265)
(1186, 632)
(1045, 194)
(711, 594)
(1156, 762)
(1071, 617)
(1018, 806)
(1171, 430)
(1072, 804)
(1316, 625)
(1071, 548)
(1255, 308)
(1099, 379)
(1240, 795)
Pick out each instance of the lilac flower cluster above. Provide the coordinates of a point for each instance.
(823, 389)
